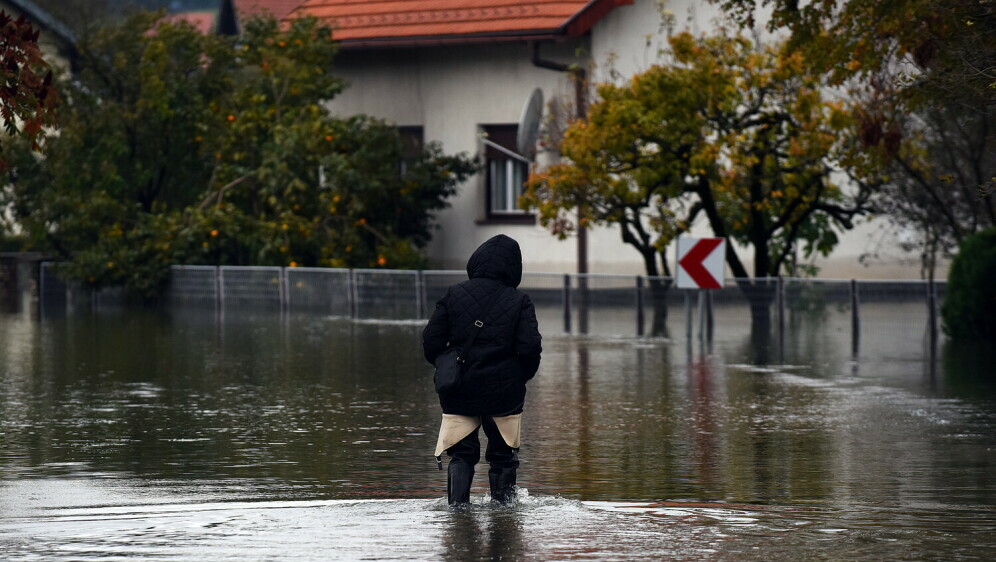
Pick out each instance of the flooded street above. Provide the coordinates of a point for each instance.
(188, 436)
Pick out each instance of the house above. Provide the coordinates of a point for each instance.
(227, 18)
(460, 72)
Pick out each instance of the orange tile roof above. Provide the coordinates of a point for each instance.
(277, 8)
(384, 22)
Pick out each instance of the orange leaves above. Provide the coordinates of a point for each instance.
(27, 99)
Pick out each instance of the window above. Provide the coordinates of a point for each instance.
(506, 175)
(412, 137)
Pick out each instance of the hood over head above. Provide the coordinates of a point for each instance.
(498, 258)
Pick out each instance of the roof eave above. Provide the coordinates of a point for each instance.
(586, 18)
(44, 20)
(445, 40)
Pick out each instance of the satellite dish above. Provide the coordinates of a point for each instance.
(529, 123)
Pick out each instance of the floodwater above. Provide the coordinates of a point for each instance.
(187, 436)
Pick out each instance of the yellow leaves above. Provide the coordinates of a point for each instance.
(795, 148)
(683, 45)
(793, 62)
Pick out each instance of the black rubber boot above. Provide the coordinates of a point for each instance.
(459, 478)
(502, 484)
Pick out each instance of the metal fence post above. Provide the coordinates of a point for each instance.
(780, 297)
(710, 322)
(855, 318)
(932, 317)
(688, 316)
(701, 314)
(351, 293)
(567, 304)
(639, 305)
(219, 288)
(582, 303)
(419, 294)
(282, 290)
(41, 288)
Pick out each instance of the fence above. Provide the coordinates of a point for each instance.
(881, 315)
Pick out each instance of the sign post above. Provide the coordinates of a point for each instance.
(700, 266)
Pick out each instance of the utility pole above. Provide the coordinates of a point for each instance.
(580, 79)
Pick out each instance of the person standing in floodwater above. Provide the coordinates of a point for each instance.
(505, 355)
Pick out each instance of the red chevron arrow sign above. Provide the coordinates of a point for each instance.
(700, 263)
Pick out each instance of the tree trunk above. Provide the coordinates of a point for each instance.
(658, 298)
(760, 293)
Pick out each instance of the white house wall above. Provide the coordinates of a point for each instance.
(451, 92)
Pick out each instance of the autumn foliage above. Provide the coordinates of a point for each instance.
(738, 135)
(27, 96)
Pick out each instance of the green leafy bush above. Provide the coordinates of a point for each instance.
(969, 309)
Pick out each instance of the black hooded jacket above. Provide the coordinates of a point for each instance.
(506, 352)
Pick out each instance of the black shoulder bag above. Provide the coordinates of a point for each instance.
(451, 363)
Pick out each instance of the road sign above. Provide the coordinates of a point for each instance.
(700, 263)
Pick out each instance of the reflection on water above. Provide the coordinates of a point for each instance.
(187, 436)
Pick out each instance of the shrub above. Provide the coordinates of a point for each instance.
(969, 309)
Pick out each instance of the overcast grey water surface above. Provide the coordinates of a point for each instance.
(185, 435)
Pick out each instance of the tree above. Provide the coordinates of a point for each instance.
(925, 71)
(949, 44)
(27, 98)
(179, 147)
(937, 182)
(130, 144)
(737, 134)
